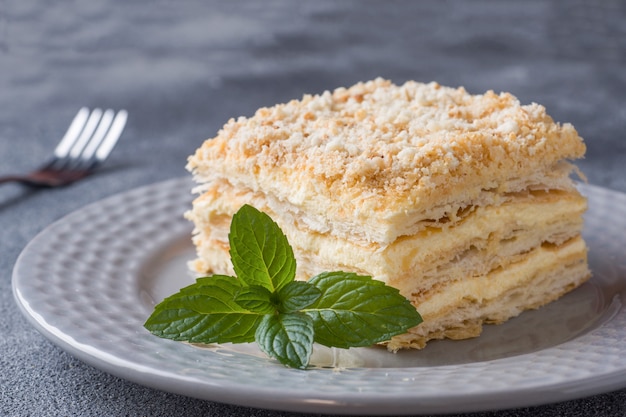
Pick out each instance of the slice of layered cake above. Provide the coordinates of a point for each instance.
(462, 202)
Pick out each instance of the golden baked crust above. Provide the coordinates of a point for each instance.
(380, 154)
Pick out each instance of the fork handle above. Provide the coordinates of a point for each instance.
(23, 180)
(10, 178)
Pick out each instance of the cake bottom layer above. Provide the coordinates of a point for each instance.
(459, 310)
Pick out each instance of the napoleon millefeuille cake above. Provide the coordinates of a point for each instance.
(463, 202)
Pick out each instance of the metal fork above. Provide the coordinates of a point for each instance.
(87, 143)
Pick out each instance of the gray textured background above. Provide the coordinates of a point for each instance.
(183, 68)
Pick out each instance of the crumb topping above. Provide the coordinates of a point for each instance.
(377, 145)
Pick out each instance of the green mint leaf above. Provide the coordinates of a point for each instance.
(205, 312)
(266, 304)
(257, 299)
(287, 337)
(260, 252)
(358, 311)
(296, 296)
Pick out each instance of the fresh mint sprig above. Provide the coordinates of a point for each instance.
(264, 302)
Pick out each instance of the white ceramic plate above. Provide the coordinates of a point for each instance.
(89, 281)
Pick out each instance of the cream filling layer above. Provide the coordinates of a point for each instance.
(388, 225)
(486, 238)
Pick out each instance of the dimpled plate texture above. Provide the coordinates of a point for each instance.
(89, 281)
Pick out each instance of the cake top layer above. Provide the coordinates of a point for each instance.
(377, 149)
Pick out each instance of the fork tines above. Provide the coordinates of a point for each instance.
(89, 139)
